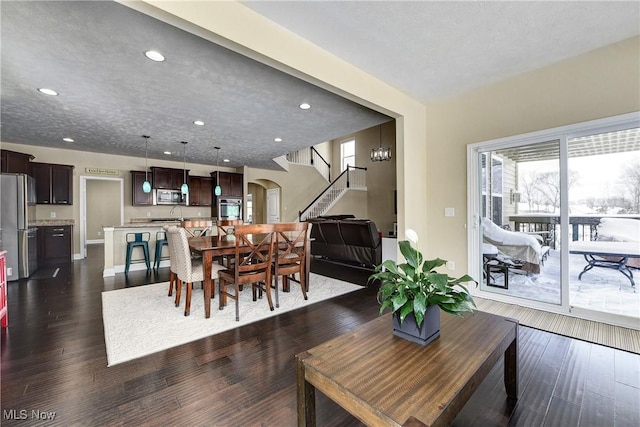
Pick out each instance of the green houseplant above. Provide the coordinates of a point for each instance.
(416, 293)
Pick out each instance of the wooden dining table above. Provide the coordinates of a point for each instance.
(212, 247)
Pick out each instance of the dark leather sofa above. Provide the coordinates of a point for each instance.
(347, 240)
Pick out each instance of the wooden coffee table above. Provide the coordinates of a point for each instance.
(384, 380)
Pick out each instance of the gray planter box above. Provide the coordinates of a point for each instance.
(427, 332)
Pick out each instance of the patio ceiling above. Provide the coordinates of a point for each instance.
(621, 141)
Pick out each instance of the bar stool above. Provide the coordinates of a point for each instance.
(137, 240)
(161, 241)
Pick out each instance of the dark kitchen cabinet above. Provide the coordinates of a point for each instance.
(54, 183)
(168, 178)
(200, 191)
(14, 162)
(231, 184)
(54, 245)
(139, 197)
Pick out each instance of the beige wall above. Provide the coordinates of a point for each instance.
(598, 84)
(381, 176)
(101, 209)
(298, 187)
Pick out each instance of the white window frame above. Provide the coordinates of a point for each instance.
(343, 165)
(474, 188)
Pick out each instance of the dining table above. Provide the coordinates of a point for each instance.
(213, 247)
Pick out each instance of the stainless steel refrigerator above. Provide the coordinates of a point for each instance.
(17, 210)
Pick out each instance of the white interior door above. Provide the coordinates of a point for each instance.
(273, 205)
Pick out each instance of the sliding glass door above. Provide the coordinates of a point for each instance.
(520, 219)
(555, 219)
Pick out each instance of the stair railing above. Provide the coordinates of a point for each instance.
(322, 166)
(353, 177)
(313, 158)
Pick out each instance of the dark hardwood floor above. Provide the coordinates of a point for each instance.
(54, 367)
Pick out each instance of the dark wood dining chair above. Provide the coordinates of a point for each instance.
(291, 239)
(226, 227)
(253, 257)
(197, 227)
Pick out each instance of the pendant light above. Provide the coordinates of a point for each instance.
(185, 188)
(382, 153)
(146, 185)
(217, 191)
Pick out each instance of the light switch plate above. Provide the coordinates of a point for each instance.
(449, 212)
(52, 214)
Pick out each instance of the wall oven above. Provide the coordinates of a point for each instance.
(229, 208)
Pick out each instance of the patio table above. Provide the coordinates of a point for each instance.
(606, 254)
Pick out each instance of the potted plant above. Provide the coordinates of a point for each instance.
(416, 293)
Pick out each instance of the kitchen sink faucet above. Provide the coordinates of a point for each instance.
(174, 208)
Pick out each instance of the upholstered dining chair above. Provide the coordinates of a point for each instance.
(291, 251)
(173, 277)
(253, 256)
(188, 270)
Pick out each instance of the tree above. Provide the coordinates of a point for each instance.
(630, 177)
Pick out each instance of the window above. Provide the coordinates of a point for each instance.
(347, 154)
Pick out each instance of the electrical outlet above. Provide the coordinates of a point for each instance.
(449, 212)
(52, 214)
(99, 233)
(9, 271)
(451, 265)
(199, 214)
(148, 213)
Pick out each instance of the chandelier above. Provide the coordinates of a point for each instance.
(381, 153)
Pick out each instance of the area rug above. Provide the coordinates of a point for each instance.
(143, 320)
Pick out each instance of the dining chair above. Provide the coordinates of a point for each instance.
(226, 227)
(291, 239)
(197, 227)
(253, 257)
(173, 277)
(188, 269)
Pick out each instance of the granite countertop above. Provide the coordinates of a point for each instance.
(51, 222)
(156, 222)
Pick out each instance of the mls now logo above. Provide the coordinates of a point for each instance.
(23, 414)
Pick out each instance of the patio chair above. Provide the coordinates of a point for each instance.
(523, 249)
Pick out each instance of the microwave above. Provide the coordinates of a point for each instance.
(170, 197)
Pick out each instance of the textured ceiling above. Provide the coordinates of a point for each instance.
(110, 94)
(436, 49)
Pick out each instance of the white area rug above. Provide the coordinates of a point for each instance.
(143, 320)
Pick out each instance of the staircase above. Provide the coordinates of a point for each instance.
(354, 178)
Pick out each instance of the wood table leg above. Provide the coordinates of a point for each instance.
(511, 366)
(207, 259)
(306, 394)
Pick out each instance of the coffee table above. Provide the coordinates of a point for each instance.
(384, 380)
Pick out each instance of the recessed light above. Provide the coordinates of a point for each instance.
(198, 123)
(225, 160)
(168, 153)
(67, 139)
(304, 106)
(154, 55)
(46, 91)
(277, 139)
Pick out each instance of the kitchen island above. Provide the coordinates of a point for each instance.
(115, 242)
